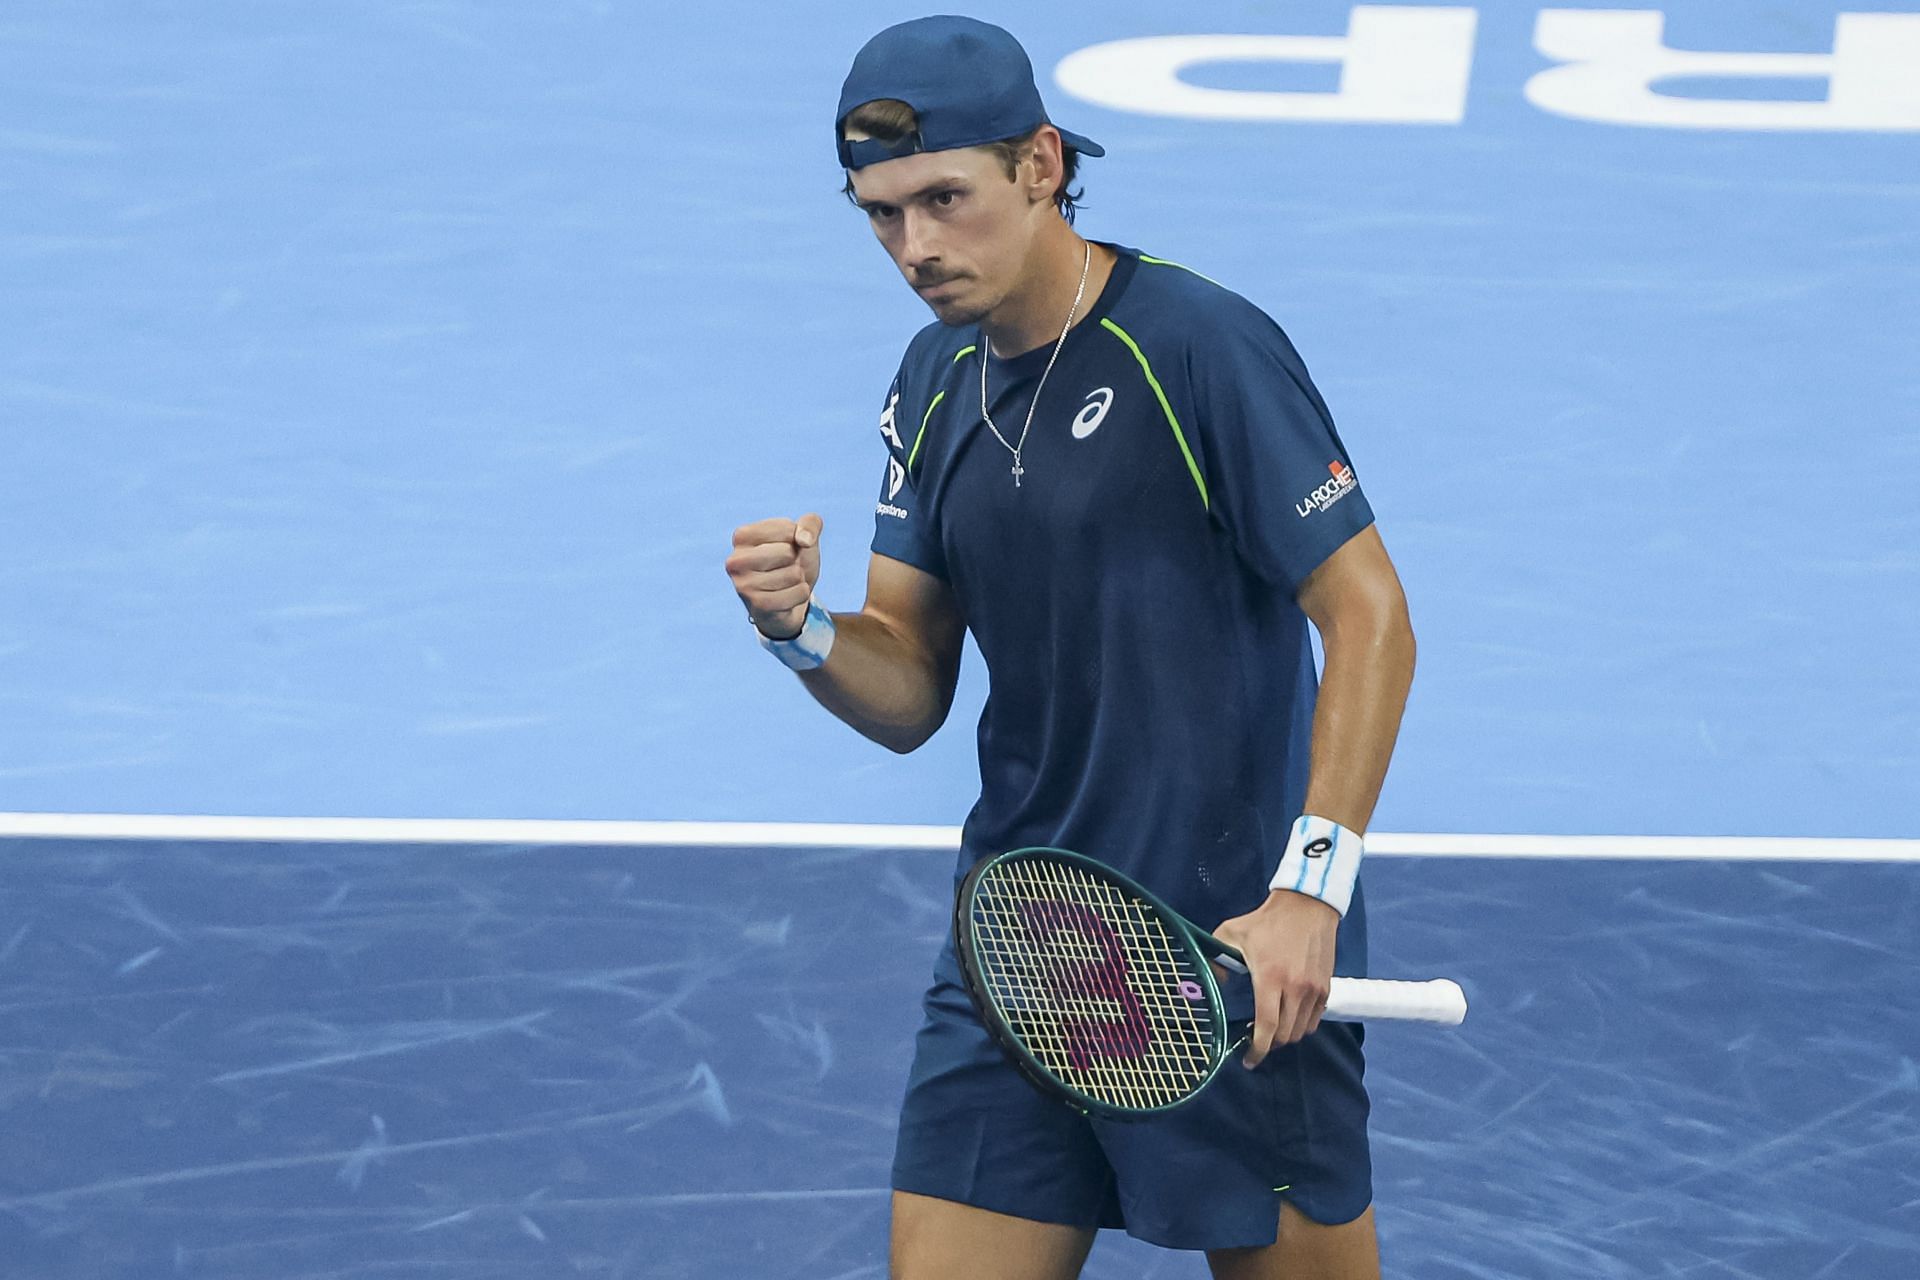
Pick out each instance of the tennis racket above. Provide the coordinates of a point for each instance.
(1103, 995)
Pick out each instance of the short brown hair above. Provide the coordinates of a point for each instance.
(889, 120)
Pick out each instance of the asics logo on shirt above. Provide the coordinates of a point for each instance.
(1091, 415)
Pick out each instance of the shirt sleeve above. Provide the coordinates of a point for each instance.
(902, 528)
(1280, 479)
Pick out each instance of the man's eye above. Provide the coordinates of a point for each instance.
(881, 212)
(946, 199)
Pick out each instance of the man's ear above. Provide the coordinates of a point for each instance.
(1045, 152)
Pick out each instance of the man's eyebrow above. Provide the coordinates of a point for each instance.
(938, 184)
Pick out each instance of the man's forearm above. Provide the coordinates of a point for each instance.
(1363, 692)
(886, 688)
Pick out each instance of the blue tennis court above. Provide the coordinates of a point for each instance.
(363, 1059)
(380, 383)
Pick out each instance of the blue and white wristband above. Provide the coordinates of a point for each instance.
(810, 648)
(1322, 861)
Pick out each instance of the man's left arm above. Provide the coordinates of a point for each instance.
(1355, 601)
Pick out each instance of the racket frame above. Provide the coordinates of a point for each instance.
(1201, 946)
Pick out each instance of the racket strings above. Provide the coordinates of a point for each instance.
(1116, 1039)
(1096, 986)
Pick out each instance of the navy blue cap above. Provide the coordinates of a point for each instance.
(969, 82)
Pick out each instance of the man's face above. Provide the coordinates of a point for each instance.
(954, 225)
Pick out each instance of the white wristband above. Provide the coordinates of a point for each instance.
(1322, 861)
(809, 649)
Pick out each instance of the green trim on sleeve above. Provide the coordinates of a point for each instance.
(923, 429)
(1193, 468)
(958, 356)
(1163, 262)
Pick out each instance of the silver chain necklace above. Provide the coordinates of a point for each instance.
(985, 347)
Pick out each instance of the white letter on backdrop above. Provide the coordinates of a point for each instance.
(1613, 58)
(1398, 64)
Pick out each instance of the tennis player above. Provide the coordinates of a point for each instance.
(1116, 474)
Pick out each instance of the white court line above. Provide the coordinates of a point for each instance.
(827, 835)
(483, 831)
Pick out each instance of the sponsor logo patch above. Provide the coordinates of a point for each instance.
(1329, 493)
(888, 431)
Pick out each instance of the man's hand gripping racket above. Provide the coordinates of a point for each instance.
(1286, 948)
(1106, 998)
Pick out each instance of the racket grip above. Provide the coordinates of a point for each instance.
(1438, 1000)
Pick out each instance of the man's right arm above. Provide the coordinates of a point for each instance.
(893, 666)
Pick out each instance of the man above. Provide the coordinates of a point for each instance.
(1117, 475)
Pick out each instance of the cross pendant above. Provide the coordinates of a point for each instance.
(1018, 471)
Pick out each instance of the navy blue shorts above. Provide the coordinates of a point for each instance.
(1204, 1176)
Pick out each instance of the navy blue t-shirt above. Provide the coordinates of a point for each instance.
(1151, 684)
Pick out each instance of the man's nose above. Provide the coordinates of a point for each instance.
(919, 250)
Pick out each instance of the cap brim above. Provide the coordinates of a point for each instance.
(1084, 145)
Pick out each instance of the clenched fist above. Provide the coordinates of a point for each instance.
(774, 566)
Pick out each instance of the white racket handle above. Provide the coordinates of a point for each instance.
(1358, 999)
(1437, 1000)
